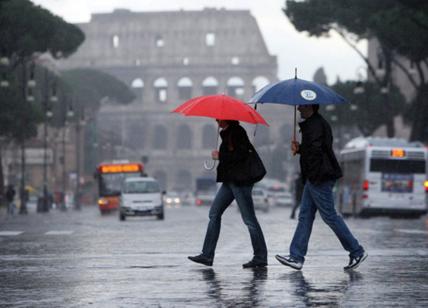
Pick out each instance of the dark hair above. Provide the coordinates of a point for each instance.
(315, 107)
(232, 122)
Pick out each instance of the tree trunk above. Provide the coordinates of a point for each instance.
(420, 112)
(390, 128)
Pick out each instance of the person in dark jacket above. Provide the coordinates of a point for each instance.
(234, 150)
(10, 197)
(320, 170)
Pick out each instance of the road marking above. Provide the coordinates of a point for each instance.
(411, 231)
(10, 233)
(54, 232)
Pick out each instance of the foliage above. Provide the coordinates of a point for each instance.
(363, 111)
(400, 27)
(88, 87)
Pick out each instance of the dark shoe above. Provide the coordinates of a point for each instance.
(201, 259)
(289, 261)
(254, 264)
(355, 262)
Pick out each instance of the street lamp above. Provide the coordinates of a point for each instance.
(69, 115)
(27, 95)
(79, 124)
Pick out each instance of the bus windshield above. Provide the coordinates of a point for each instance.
(140, 187)
(110, 184)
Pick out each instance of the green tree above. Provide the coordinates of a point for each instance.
(363, 112)
(399, 26)
(26, 32)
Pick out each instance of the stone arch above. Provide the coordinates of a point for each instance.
(210, 86)
(184, 137)
(209, 135)
(235, 87)
(185, 87)
(160, 137)
(137, 86)
(161, 90)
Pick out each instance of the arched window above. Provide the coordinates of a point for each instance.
(183, 180)
(184, 88)
(135, 136)
(235, 87)
(259, 82)
(137, 86)
(209, 86)
(184, 137)
(209, 135)
(161, 87)
(160, 138)
(161, 177)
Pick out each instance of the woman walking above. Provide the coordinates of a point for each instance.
(234, 151)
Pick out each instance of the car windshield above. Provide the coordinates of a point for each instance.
(140, 187)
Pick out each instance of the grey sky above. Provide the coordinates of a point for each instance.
(292, 48)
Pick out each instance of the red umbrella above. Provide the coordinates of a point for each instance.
(220, 107)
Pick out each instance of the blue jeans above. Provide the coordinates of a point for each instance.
(226, 194)
(320, 197)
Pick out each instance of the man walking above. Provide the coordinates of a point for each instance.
(320, 170)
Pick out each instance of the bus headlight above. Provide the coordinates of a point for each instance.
(426, 186)
(102, 201)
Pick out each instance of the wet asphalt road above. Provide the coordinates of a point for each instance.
(83, 259)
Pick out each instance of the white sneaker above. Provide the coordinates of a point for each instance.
(289, 261)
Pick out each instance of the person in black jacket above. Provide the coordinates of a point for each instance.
(234, 150)
(320, 170)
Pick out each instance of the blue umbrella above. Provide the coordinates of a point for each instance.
(297, 92)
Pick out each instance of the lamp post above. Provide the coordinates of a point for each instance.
(69, 115)
(27, 95)
(80, 122)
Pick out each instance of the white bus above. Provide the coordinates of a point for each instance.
(383, 176)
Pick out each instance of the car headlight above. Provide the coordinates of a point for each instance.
(168, 200)
(177, 200)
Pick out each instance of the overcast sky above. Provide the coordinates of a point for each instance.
(292, 48)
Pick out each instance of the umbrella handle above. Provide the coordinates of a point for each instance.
(209, 165)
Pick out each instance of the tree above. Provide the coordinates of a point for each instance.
(363, 112)
(26, 32)
(399, 26)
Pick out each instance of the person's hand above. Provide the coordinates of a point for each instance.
(294, 147)
(215, 154)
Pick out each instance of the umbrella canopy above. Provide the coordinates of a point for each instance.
(220, 107)
(297, 92)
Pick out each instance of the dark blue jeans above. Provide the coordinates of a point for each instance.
(242, 194)
(320, 197)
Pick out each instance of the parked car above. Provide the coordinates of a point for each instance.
(141, 196)
(260, 199)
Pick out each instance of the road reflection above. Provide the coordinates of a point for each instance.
(327, 293)
(250, 295)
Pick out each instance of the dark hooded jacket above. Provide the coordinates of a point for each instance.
(234, 149)
(317, 160)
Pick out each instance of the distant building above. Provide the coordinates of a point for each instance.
(167, 58)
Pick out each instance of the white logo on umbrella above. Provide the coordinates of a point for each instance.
(309, 95)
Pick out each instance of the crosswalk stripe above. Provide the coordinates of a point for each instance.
(10, 233)
(411, 231)
(57, 232)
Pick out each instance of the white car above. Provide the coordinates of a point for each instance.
(141, 196)
(260, 199)
(283, 199)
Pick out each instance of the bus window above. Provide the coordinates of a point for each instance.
(397, 166)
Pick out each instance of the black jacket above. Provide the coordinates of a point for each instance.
(317, 160)
(234, 149)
